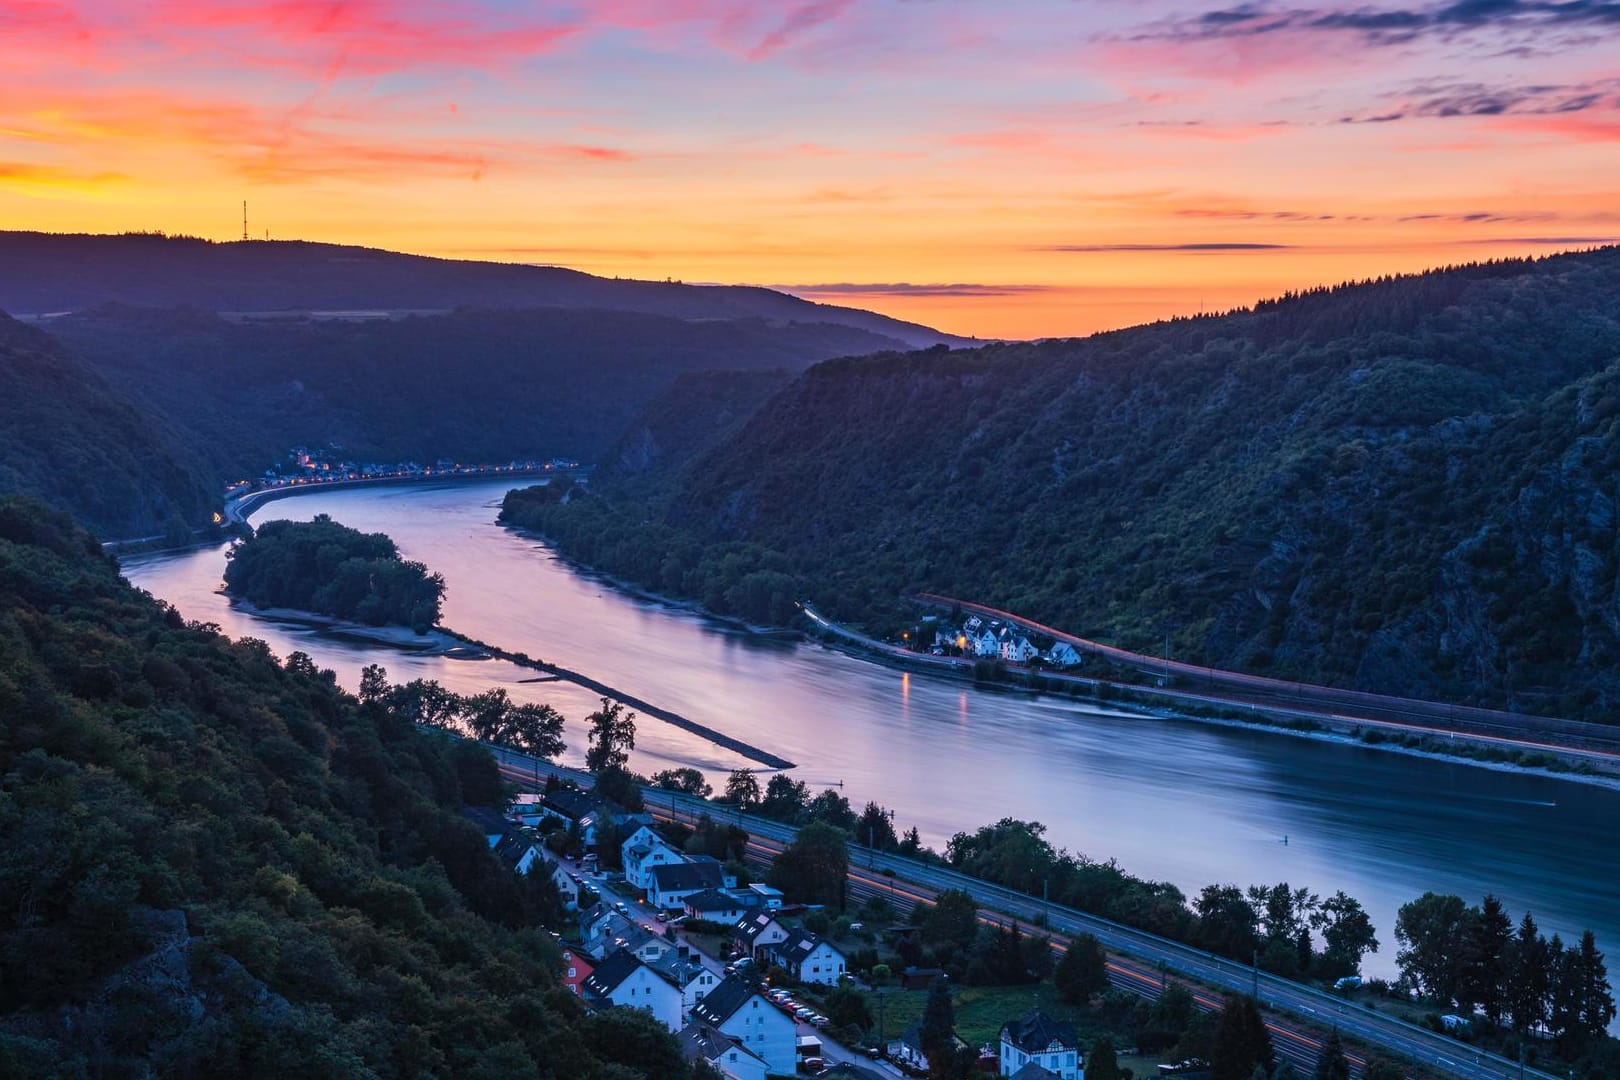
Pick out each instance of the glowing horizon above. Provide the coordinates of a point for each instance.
(1048, 170)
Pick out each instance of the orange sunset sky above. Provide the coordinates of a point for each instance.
(1008, 168)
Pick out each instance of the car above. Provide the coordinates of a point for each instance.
(620, 904)
(857, 927)
(803, 1013)
(662, 916)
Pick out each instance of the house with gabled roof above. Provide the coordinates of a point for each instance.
(720, 905)
(732, 1058)
(517, 853)
(755, 933)
(808, 958)
(669, 886)
(641, 851)
(573, 807)
(737, 1009)
(622, 980)
(1063, 655)
(688, 969)
(1044, 1041)
(576, 968)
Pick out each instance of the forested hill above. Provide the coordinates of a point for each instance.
(473, 385)
(215, 864)
(68, 437)
(42, 273)
(1405, 486)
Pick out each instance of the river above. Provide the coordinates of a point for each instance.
(1172, 800)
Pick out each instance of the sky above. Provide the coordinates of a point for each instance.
(998, 168)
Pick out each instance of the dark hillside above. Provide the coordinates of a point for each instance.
(1403, 486)
(215, 864)
(68, 437)
(473, 385)
(43, 273)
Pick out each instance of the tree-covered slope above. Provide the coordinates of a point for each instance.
(214, 864)
(68, 437)
(1404, 486)
(46, 273)
(473, 385)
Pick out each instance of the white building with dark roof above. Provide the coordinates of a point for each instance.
(736, 1008)
(1038, 1039)
(669, 886)
(641, 851)
(808, 958)
(731, 1057)
(623, 980)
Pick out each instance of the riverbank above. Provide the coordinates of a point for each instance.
(435, 642)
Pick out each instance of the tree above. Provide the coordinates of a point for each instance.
(1332, 1064)
(813, 868)
(831, 808)
(1380, 1068)
(1227, 922)
(1242, 1042)
(622, 786)
(876, 828)
(953, 920)
(785, 798)
(613, 736)
(1102, 1063)
(1484, 960)
(373, 684)
(742, 788)
(1347, 934)
(686, 781)
(936, 1033)
(1527, 975)
(846, 1007)
(1083, 971)
(1431, 932)
(535, 730)
(1593, 1003)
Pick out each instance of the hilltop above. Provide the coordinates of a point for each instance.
(42, 273)
(1403, 486)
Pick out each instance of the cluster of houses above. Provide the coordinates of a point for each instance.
(720, 1014)
(992, 639)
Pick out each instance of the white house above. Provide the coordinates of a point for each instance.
(623, 980)
(907, 1049)
(572, 807)
(567, 887)
(756, 933)
(1046, 1042)
(987, 642)
(1063, 655)
(690, 970)
(808, 958)
(517, 853)
(737, 1009)
(643, 850)
(668, 886)
(731, 1057)
(1016, 648)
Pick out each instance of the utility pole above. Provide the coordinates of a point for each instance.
(1255, 993)
(244, 220)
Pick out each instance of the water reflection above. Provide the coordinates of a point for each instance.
(1175, 800)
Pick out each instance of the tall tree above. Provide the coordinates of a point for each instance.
(876, 828)
(813, 868)
(1347, 934)
(1083, 971)
(785, 798)
(1484, 961)
(1332, 1064)
(1242, 1042)
(1594, 1003)
(742, 788)
(1227, 922)
(613, 736)
(1432, 930)
(937, 1031)
(687, 781)
(1102, 1063)
(953, 920)
(1527, 974)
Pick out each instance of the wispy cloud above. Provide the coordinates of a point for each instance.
(1195, 248)
(1391, 26)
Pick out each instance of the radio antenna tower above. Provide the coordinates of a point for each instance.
(244, 219)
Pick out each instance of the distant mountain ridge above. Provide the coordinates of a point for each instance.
(46, 273)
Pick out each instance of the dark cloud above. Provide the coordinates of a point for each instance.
(1551, 241)
(1165, 247)
(1395, 26)
(1474, 99)
(904, 288)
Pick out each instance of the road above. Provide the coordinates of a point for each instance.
(1139, 961)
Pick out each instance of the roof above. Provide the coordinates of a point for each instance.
(679, 877)
(720, 1003)
(704, 1040)
(845, 1070)
(799, 944)
(572, 804)
(492, 823)
(1032, 1071)
(1035, 1033)
(613, 970)
(512, 849)
(751, 926)
(715, 900)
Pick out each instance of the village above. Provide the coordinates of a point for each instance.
(983, 638)
(754, 982)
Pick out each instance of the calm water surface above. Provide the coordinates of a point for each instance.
(1171, 800)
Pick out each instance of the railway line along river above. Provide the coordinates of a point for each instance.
(1171, 800)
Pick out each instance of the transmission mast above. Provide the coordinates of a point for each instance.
(244, 220)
